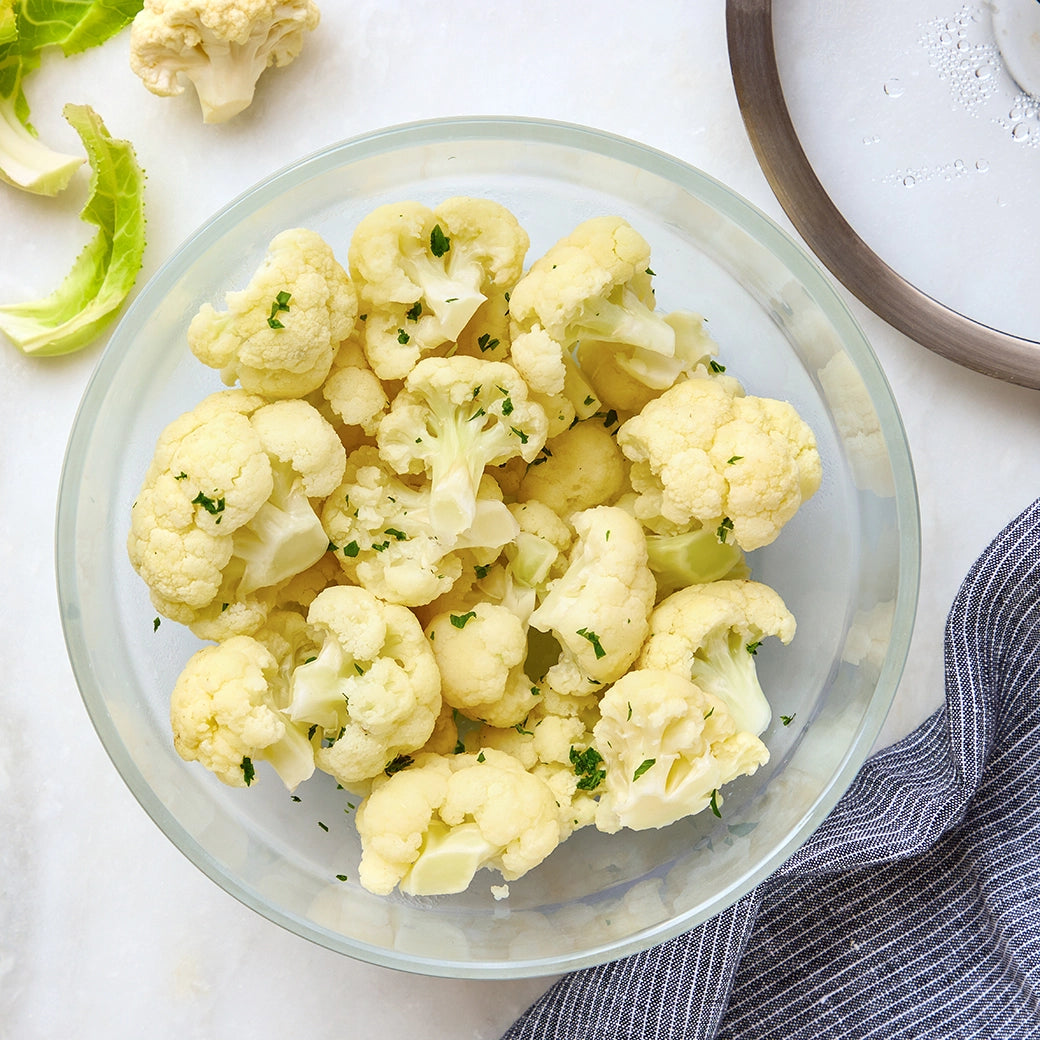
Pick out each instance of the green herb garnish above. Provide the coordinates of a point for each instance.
(439, 241)
(643, 767)
(399, 763)
(248, 772)
(594, 640)
(459, 620)
(281, 303)
(588, 768)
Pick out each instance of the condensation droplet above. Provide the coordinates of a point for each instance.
(945, 39)
(963, 45)
(893, 88)
(982, 165)
(984, 72)
(1015, 113)
(958, 165)
(1020, 131)
(909, 181)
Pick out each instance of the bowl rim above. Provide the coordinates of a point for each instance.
(581, 138)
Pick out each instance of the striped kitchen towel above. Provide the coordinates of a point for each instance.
(914, 910)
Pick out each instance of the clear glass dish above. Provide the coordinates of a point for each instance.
(847, 565)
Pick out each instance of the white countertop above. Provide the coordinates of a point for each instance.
(106, 930)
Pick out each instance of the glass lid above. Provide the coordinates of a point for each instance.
(903, 141)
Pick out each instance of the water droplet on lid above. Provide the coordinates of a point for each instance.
(945, 39)
(981, 165)
(909, 181)
(984, 72)
(893, 88)
(958, 165)
(963, 45)
(1020, 132)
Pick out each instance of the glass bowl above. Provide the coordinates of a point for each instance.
(847, 565)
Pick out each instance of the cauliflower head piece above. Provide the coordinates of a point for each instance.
(225, 715)
(703, 456)
(668, 747)
(279, 335)
(380, 526)
(220, 46)
(711, 634)
(423, 273)
(480, 655)
(371, 686)
(429, 827)
(599, 609)
(454, 417)
(226, 512)
(593, 286)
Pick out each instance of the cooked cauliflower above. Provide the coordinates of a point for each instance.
(279, 335)
(225, 716)
(431, 826)
(668, 747)
(422, 274)
(371, 687)
(599, 609)
(226, 512)
(703, 457)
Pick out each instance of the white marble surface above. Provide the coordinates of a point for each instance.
(105, 929)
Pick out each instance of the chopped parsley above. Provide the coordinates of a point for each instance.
(323, 826)
(212, 506)
(715, 366)
(597, 646)
(248, 772)
(733, 459)
(396, 534)
(642, 768)
(507, 406)
(724, 529)
(380, 546)
(402, 336)
(399, 763)
(481, 757)
(752, 648)
(413, 312)
(280, 303)
(155, 624)
(481, 570)
(788, 719)
(588, 768)
(520, 433)
(486, 342)
(351, 549)
(439, 241)
(459, 620)
(181, 476)
(714, 803)
(341, 877)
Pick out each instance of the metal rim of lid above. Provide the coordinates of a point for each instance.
(756, 79)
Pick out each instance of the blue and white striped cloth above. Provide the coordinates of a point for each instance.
(914, 911)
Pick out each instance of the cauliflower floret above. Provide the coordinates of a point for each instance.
(594, 288)
(372, 687)
(702, 457)
(431, 826)
(381, 529)
(667, 747)
(599, 609)
(353, 391)
(581, 468)
(224, 716)
(422, 274)
(480, 655)
(221, 46)
(711, 634)
(454, 417)
(226, 511)
(279, 335)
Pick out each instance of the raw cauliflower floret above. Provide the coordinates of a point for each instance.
(583, 467)
(278, 336)
(711, 634)
(226, 512)
(371, 686)
(480, 655)
(381, 529)
(224, 715)
(422, 274)
(599, 609)
(454, 417)
(221, 46)
(430, 827)
(594, 287)
(703, 457)
(668, 747)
